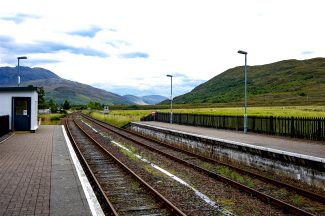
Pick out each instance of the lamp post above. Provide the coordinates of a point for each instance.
(245, 103)
(171, 98)
(18, 58)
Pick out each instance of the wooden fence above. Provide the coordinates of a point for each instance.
(4, 125)
(305, 128)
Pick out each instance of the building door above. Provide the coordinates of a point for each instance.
(21, 113)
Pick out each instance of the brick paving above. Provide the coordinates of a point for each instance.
(25, 173)
(37, 176)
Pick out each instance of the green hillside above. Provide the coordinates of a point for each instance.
(289, 82)
(60, 89)
(8, 75)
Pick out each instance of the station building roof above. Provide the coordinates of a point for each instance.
(18, 89)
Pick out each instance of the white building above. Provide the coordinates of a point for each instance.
(21, 104)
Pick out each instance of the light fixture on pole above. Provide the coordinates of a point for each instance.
(171, 98)
(245, 103)
(18, 58)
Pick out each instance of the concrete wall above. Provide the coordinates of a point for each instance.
(6, 105)
(298, 167)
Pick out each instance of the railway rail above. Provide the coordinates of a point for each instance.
(189, 157)
(121, 190)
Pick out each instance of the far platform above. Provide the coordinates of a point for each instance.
(38, 175)
(298, 146)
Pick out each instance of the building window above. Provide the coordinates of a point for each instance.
(21, 107)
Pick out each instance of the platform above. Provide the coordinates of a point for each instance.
(38, 176)
(295, 146)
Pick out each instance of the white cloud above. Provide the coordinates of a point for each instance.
(192, 37)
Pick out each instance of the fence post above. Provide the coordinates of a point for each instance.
(236, 123)
(271, 125)
(319, 129)
(292, 134)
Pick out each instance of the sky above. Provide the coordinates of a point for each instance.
(129, 46)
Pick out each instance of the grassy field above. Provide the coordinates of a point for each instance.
(296, 111)
(50, 119)
(118, 117)
(122, 117)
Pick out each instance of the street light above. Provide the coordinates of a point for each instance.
(245, 115)
(20, 57)
(171, 98)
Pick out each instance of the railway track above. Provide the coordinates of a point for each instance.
(123, 192)
(194, 161)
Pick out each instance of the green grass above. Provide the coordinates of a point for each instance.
(225, 171)
(122, 117)
(129, 154)
(51, 119)
(118, 117)
(288, 111)
(296, 200)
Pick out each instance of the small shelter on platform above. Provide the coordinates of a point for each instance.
(21, 104)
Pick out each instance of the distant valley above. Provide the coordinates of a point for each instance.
(145, 100)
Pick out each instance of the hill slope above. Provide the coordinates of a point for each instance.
(57, 88)
(60, 89)
(289, 82)
(8, 75)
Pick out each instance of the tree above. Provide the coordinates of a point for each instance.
(41, 98)
(53, 106)
(66, 105)
(94, 105)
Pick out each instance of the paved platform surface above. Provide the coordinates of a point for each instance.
(305, 147)
(37, 175)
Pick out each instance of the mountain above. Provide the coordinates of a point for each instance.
(57, 88)
(289, 82)
(145, 100)
(8, 75)
(77, 93)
